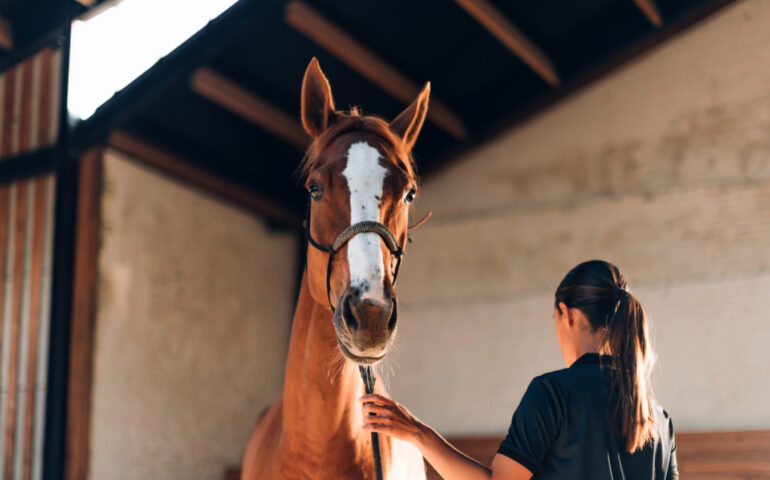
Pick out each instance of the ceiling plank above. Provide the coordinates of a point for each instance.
(351, 52)
(181, 168)
(513, 38)
(650, 9)
(6, 34)
(244, 103)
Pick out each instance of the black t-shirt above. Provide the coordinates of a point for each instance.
(563, 429)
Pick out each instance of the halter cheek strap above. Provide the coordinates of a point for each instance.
(366, 226)
(367, 375)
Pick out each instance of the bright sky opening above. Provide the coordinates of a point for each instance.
(119, 43)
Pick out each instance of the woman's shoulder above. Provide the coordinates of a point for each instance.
(664, 423)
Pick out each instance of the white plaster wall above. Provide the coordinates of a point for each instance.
(662, 167)
(194, 307)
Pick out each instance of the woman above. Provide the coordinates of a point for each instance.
(594, 420)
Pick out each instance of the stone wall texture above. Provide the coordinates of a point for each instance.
(194, 308)
(662, 167)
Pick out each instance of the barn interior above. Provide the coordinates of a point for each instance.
(152, 249)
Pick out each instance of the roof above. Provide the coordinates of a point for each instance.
(252, 59)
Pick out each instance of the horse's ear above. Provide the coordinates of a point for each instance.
(408, 123)
(317, 105)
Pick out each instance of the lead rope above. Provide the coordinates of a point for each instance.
(367, 375)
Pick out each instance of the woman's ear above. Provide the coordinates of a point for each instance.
(408, 123)
(568, 314)
(317, 104)
(561, 310)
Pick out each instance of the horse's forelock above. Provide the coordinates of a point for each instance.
(353, 121)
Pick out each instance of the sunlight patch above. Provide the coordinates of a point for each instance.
(113, 46)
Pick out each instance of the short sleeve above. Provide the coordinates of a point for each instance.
(534, 427)
(673, 469)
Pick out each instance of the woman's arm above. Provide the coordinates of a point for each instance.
(387, 417)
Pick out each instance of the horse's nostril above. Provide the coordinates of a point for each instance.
(393, 315)
(347, 315)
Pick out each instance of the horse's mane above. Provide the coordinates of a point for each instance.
(353, 121)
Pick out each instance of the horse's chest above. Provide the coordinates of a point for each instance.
(406, 462)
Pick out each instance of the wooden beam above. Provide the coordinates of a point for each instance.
(650, 9)
(83, 316)
(351, 52)
(178, 167)
(513, 38)
(6, 34)
(242, 102)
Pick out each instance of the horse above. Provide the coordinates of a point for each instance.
(359, 173)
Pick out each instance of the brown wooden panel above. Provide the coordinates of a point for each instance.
(44, 107)
(232, 474)
(36, 274)
(26, 104)
(19, 240)
(83, 309)
(707, 455)
(8, 99)
(4, 206)
(738, 455)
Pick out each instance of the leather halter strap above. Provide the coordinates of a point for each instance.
(366, 226)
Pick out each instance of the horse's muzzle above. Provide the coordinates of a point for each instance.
(367, 325)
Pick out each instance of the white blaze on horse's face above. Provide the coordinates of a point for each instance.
(366, 178)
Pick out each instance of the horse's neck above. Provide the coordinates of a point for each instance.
(320, 388)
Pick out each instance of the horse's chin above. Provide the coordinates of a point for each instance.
(357, 359)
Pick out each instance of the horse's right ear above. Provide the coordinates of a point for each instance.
(317, 105)
(409, 122)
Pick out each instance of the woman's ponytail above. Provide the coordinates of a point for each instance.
(628, 344)
(598, 289)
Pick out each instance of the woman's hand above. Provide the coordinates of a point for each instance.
(388, 417)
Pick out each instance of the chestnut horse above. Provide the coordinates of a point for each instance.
(358, 169)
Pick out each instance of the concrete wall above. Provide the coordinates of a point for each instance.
(194, 308)
(663, 168)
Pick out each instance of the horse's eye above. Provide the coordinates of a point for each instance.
(314, 191)
(409, 198)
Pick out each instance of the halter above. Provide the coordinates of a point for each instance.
(367, 226)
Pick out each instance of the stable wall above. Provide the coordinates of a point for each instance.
(193, 312)
(662, 167)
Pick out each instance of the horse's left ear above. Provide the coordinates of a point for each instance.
(317, 105)
(408, 123)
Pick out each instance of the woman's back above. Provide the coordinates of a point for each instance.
(563, 428)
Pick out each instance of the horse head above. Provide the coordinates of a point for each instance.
(360, 179)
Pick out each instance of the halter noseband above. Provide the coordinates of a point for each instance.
(367, 226)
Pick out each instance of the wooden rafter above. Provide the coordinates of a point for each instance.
(182, 169)
(513, 38)
(650, 9)
(241, 101)
(6, 34)
(354, 54)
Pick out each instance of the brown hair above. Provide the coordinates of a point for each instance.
(599, 290)
(352, 121)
